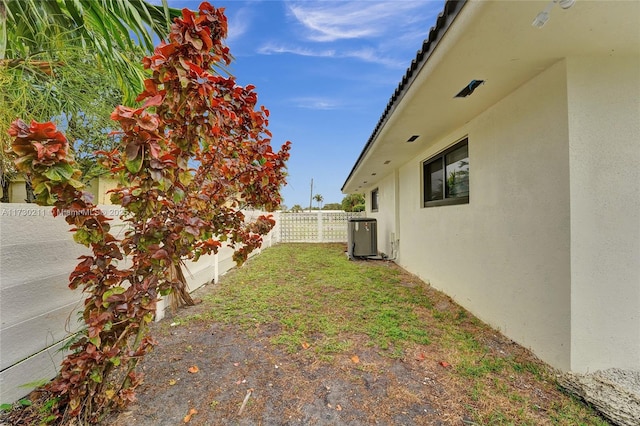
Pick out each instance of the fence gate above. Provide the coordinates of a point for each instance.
(315, 227)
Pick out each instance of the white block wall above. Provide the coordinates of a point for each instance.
(38, 311)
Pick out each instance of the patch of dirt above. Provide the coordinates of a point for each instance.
(286, 389)
(279, 388)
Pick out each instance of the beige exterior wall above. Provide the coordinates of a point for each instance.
(604, 149)
(505, 255)
(17, 190)
(386, 214)
(548, 249)
(102, 192)
(98, 187)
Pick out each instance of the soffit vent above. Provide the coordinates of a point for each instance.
(466, 91)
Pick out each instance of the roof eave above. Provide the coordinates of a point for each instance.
(443, 22)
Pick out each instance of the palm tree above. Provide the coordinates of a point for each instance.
(319, 199)
(33, 31)
(43, 41)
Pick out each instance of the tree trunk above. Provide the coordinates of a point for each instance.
(180, 295)
(31, 197)
(6, 183)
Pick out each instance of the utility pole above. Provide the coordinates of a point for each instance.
(311, 195)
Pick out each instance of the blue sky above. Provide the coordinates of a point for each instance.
(325, 70)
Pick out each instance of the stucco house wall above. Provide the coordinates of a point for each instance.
(604, 150)
(17, 190)
(505, 255)
(99, 187)
(386, 214)
(547, 249)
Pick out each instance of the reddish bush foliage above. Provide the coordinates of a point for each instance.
(191, 158)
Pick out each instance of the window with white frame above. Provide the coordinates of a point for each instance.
(374, 200)
(445, 176)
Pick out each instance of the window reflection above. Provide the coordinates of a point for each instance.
(446, 176)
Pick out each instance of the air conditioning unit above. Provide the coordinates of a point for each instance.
(362, 237)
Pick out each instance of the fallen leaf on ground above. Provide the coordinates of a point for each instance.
(187, 418)
(193, 369)
(305, 345)
(355, 359)
(338, 407)
(445, 364)
(172, 382)
(420, 357)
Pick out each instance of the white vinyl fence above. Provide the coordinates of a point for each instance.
(38, 312)
(314, 227)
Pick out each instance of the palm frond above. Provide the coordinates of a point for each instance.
(102, 27)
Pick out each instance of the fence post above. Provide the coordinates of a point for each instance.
(215, 268)
(275, 229)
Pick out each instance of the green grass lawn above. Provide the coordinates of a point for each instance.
(322, 306)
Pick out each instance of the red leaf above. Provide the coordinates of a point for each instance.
(42, 130)
(132, 150)
(19, 129)
(187, 15)
(160, 254)
(208, 43)
(153, 101)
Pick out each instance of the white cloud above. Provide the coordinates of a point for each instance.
(238, 24)
(374, 56)
(320, 103)
(269, 49)
(366, 54)
(330, 21)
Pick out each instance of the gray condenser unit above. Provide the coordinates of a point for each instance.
(362, 237)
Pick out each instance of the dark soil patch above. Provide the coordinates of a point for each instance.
(286, 389)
